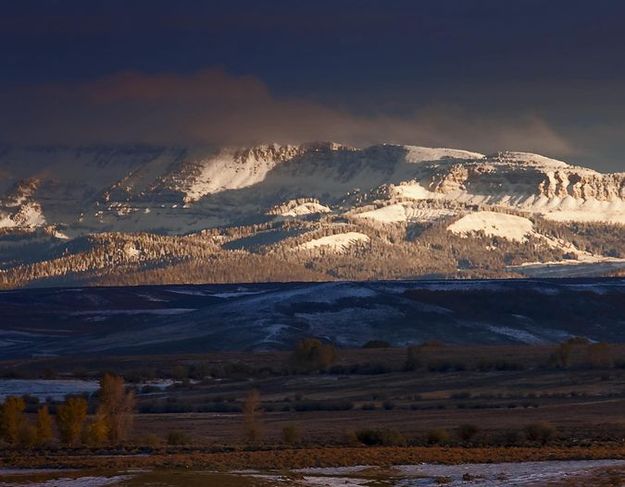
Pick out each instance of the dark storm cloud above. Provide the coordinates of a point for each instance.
(212, 106)
(485, 75)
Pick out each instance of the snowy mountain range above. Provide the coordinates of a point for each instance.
(142, 214)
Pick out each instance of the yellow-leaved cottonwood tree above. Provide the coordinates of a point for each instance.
(12, 419)
(115, 413)
(44, 426)
(70, 419)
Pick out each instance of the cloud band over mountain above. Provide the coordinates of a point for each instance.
(212, 106)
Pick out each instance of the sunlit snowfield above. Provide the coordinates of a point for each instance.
(484, 475)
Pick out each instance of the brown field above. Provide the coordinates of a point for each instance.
(499, 390)
(583, 405)
(276, 459)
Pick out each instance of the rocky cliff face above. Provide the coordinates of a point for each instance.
(498, 173)
(19, 208)
(586, 186)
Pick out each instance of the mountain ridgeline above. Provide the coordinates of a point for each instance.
(127, 215)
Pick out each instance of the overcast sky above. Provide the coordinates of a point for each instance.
(546, 76)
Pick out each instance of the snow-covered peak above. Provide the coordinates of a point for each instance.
(186, 189)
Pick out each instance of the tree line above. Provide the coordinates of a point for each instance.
(111, 422)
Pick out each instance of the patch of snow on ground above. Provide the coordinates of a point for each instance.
(386, 214)
(56, 389)
(413, 190)
(151, 298)
(530, 158)
(307, 209)
(188, 292)
(503, 474)
(331, 470)
(29, 215)
(517, 335)
(424, 215)
(334, 482)
(160, 311)
(159, 383)
(485, 475)
(568, 268)
(6, 222)
(60, 235)
(338, 243)
(236, 294)
(73, 482)
(423, 154)
(131, 251)
(494, 224)
(589, 216)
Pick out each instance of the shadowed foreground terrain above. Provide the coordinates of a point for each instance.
(386, 407)
(197, 319)
(553, 473)
(426, 393)
(401, 374)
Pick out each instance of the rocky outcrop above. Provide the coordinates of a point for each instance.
(454, 178)
(19, 208)
(499, 175)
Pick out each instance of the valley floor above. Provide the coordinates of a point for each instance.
(380, 407)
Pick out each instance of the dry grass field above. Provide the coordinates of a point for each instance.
(378, 406)
(499, 391)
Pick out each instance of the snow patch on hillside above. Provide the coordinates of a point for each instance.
(528, 158)
(338, 243)
(494, 224)
(422, 154)
(131, 251)
(518, 229)
(425, 215)
(386, 214)
(412, 190)
(606, 212)
(29, 215)
(311, 208)
(582, 267)
(6, 222)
